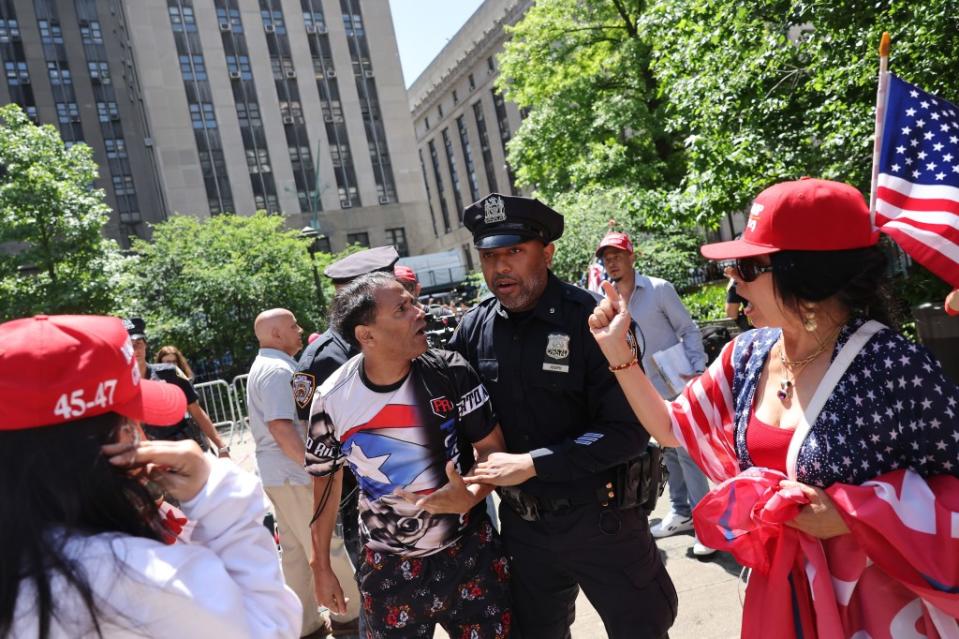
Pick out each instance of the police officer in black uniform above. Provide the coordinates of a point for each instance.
(569, 507)
(326, 354)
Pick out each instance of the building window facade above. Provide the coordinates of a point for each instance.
(15, 62)
(199, 96)
(58, 68)
(397, 237)
(485, 147)
(327, 85)
(361, 238)
(441, 196)
(468, 158)
(245, 98)
(454, 174)
(291, 113)
(365, 80)
(502, 121)
(429, 194)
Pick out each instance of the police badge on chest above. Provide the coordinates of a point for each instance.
(556, 358)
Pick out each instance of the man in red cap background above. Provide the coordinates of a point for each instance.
(407, 278)
(663, 322)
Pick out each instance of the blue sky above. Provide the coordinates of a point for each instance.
(423, 27)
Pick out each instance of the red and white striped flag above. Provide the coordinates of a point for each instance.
(917, 182)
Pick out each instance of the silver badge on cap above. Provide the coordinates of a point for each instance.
(494, 210)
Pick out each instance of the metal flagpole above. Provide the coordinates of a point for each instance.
(881, 95)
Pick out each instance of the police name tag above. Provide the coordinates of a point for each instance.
(557, 353)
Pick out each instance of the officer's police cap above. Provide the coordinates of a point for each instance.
(136, 327)
(504, 220)
(371, 260)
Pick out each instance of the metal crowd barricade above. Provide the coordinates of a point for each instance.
(217, 400)
(238, 390)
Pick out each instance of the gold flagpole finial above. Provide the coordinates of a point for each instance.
(884, 45)
(611, 223)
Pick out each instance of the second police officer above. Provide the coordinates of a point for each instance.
(569, 520)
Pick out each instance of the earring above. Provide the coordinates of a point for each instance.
(809, 317)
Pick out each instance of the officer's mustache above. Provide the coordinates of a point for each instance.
(505, 278)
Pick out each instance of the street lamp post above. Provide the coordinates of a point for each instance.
(315, 236)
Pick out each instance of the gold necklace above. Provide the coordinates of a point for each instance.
(796, 367)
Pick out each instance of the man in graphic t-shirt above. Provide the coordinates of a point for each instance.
(409, 423)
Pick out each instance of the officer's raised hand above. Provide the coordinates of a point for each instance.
(503, 469)
(608, 323)
(455, 497)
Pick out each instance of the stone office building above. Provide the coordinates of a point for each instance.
(462, 124)
(201, 107)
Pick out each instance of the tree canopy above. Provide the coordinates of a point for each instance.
(200, 283)
(690, 107)
(53, 258)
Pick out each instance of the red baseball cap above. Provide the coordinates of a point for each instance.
(60, 368)
(808, 214)
(616, 240)
(404, 273)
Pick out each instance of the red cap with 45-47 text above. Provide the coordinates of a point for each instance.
(60, 368)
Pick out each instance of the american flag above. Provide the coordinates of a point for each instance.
(917, 195)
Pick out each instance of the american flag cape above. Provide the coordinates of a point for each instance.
(896, 576)
(917, 187)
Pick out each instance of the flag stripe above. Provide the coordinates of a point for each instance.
(925, 219)
(917, 187)
(924, 191)
(905, 201)
(945, 267)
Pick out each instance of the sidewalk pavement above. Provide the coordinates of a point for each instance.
(709, 590)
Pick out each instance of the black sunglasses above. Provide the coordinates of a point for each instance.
(749, 268)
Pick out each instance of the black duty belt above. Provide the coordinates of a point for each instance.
(635, 483)
(533, 508)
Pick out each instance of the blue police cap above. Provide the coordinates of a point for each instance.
(503, 220)
(371, 260)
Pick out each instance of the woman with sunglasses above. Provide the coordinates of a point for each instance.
(835, 441)
(85, 548)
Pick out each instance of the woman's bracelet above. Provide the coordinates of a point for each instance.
(623, 367)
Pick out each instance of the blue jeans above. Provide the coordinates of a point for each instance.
(687, 484)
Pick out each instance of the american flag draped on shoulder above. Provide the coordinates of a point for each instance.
(917, 186)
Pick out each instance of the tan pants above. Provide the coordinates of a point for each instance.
(294, 507)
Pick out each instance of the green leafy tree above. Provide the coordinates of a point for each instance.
(200, 284)
(776, 90)
(582, 69)
(671, 254)
(691, 107)
(53, 258)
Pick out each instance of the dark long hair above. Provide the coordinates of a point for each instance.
(55, 478)
(856, 277)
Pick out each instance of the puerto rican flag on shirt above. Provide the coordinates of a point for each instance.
(917, 195)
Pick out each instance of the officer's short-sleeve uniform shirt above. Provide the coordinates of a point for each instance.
(401, 436)
(552, 390)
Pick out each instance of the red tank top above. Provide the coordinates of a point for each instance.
(767, 445)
